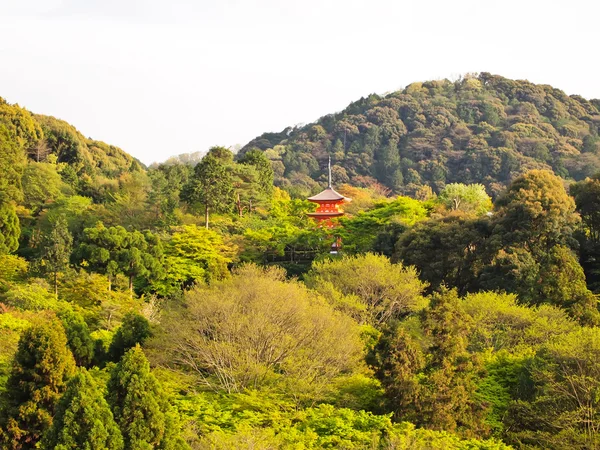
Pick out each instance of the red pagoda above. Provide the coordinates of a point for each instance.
(329, 202)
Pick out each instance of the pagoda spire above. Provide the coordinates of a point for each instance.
(329, 170)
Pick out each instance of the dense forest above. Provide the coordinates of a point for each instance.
(194, 304)
(480, 129)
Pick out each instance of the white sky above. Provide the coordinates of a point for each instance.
(159, 78)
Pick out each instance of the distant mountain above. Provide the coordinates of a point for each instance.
(480, 129)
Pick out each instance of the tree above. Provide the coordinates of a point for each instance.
(194, 255)
(470, 198)
(563, 410)
(262, 164)
(134, 330)
(115, 250)
(448, 250)
(56, 250)
(397, 360)
(140, 406)
(210, 186)
(535, 212)
(12, 162)
(41, 184)
(78, 337)
(587, 199)
(449, 403)
(384, 291)
(10, 229)
(255, 329)
(83, 420)
(39, 374)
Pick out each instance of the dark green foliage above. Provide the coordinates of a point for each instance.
(446, 250)
(115, 250)
(210, 186)
(41, 367)
(134, 330)
(140, 407)
(261, 163)
(563, 408)
(56, 250)
(485, 129)
(432, 383)
(83, 420)
(78, 337)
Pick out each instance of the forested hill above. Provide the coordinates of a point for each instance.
(87, 164)
(480, 129)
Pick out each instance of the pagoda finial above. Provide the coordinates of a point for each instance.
(329, 167)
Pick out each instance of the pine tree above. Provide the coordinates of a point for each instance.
(140, 407)
(134, 329)
(41, 367)
(83, 420)
(78, 337)
(210, 186)
(57, 247)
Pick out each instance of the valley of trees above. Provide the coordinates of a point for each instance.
(195, 305)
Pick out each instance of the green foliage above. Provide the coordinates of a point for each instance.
(378, 228)
(536, 212)
(368, 287)
(41, 368)
(56, 250)
(140, 407)
(564, 411)
(445, 250)
(41, 184)
(482, 129)
(115, 250)
(9, 229)
(134, 330)
(210, 186)
(12, 159)
(467, 198)
(256, 329)
(32, 297)
(78, 337)
(83, 420)
(194, 255)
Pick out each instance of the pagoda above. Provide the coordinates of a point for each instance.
(329, 202)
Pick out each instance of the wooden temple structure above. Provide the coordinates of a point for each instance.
(329, 202)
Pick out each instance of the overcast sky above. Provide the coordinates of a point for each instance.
(159, 78)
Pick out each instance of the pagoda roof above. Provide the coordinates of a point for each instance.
(328, 195)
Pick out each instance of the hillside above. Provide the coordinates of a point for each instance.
(88, 164)
(480, 129)
(206, 300)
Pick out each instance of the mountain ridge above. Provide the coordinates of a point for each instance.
(479, 129)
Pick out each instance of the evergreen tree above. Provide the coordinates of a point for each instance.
(57, 246)
(78, 337)
(261, 163)
(397, 360)
(41, 368)
(83, 420)
(449, 385)
(140, 407)
(210, 186)
(134, 329)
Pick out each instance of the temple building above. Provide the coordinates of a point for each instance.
(329, 202)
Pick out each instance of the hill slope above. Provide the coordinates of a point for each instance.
(484, 129)
(38, 137)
